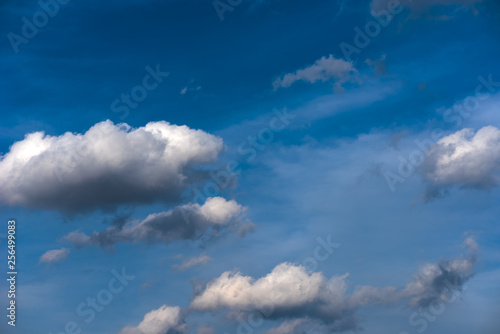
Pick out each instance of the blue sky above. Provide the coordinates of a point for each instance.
(247, 136)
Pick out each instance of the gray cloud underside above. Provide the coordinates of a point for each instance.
(186, 222)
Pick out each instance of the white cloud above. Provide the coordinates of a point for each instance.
(165, 320)
(186, 222)
(465, 159)
(324, 69)
(104, 167)
(54, 255)
(282, 285)
(290, 292)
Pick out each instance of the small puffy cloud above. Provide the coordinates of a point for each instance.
(420, 6)
(324, 69)
(310, 300)
(192, 262)
(165, 320)
(54, 255)
(186, 222)
(104, 167)
(219, 211)
(434, 281)
(464, 159)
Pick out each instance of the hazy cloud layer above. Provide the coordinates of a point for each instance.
(104, 167)
(464, 159)
(186, 222)
(324, 69)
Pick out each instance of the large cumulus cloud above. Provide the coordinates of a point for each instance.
(186, 222)
(106, 166)
(289, 291)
